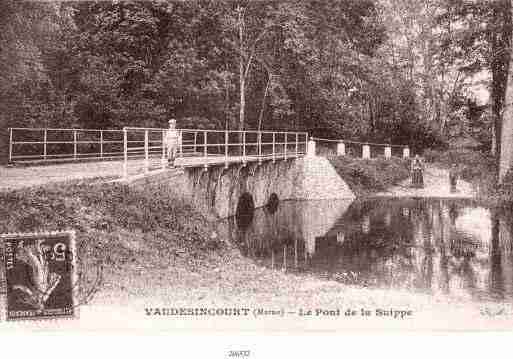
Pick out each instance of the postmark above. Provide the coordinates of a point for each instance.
(40, 275)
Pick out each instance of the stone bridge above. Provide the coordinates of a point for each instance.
(223, 190)
(222, 171)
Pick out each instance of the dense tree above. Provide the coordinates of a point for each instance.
(320, 66)
(478, 42)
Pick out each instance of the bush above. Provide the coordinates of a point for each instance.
(368, 176)
(472, 165)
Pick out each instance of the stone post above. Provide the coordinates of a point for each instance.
(341, 149)
(366, 224)
(310, 152)
(406, 152)
(388, 217)
(366, 152)
(388, 152)
(310, 245)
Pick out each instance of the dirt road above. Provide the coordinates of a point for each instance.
(18, 177)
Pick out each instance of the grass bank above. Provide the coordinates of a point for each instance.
(117, 226)
(103, 208)
(366, 177)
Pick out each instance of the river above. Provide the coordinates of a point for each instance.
(433, 246)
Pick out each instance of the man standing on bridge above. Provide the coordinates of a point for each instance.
(172, 142)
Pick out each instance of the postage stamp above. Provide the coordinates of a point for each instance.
(40, 275)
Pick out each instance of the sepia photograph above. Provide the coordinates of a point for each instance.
(233, 166)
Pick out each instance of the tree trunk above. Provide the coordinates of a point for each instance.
(242, 79)
(261, 115)
(242, 99)
(506, 143)
(493, 149)
(506, 154)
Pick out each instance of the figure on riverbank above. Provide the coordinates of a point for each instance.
(172, 142)
(453, 177)
(417, 175)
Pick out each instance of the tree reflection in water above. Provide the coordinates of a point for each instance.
(448, 247)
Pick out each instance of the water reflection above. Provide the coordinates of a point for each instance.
(448, 247)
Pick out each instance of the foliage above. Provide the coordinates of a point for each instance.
(472, 164)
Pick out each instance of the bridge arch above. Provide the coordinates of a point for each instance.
(245, 210)
(273, 203)
(224, 192)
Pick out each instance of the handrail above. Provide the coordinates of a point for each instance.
(63, 129)
(78, 144)
(41, 144)
(357, 142)
(214, 146)
(203, 147)
(213, 131)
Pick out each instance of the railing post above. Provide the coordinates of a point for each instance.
(146, 153)
(295, 253)
(244, 146)
(163, 158)
(205, 142)
(10, 145)
(195, 139)
(125, 154)
(179, 134)
(226, 148)
(101, 143)
(274, 147)
(297, 142)
(74, 144)
(284, 268)
(259, 141)
(45, 137)
(285, 152)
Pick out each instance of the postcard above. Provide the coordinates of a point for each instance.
(256, 166)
